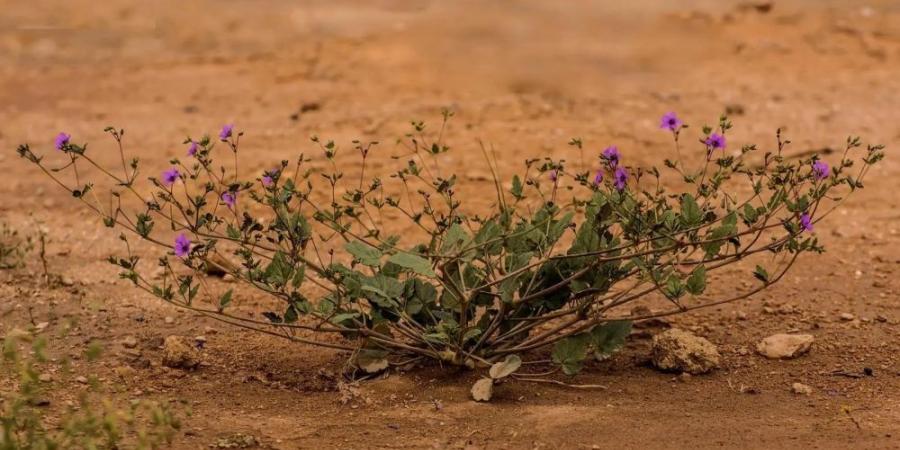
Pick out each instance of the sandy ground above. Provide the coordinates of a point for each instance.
(524, 76)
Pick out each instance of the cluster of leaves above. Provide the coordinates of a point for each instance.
(559, 261)
(96, 423)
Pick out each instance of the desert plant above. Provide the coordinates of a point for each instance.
(96, 422)
(13, 247)
(561, 259)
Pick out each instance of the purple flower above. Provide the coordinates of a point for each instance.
(611, 156)
(229, 198)
(670, 121)
(62, 140)
(182, 246)
(598, 178)
(715, 141)
(170, 176)
(805, 222)
(226, 131)
(821, 170)
(192, 149)
(554, 175)
(621, 177)
(269, 176)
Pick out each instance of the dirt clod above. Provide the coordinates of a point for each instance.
(801, 389)
(178, 354)
(682, 351)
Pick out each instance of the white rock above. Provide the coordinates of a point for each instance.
(801, 389)
(129, 342)
(785, 346)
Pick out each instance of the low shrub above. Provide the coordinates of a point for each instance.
(562, 259)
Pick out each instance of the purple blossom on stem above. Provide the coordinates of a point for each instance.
(620, 178)
(170, 176)
(229, 198)
(821, 170)
(715, 141)
(268, 179)
(806, 222)
(62, 140)
(554, 175)
(182, 246)
(670, 121)
(598, 178)
(192, 149)
(226, 131)
(611, 156)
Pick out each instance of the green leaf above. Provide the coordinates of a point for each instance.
(761, 274)
(364, 253)
(506, 367)
(516, 189)
(690, 210)
(279, 271)
(609, 337)
(412, 262)
(750, 214)
(696, 283)
(299, 276)
(225, 300)
(472, 333)
(233, 233)
(558, 227)
(455, 239)
(382, 290)
(571, 352)
(372, 360)
(674, 287)
(291, 314)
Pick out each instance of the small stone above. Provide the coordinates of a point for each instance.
(801, 389)
(228, 278)
(41, 326)
(169, 320)
(741, 315)
(45, 377)
(40, 401)
(679, 350)
(881, 318)
(129, 342)
(684, 377)
(847, 317)
(179, 355)
(209, 330)
(125, 372)
(785, 346)
(81, 379)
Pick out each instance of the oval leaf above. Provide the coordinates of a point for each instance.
(412, 262)
(506, 367)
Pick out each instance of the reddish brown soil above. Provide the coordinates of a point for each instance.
(525, 76)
